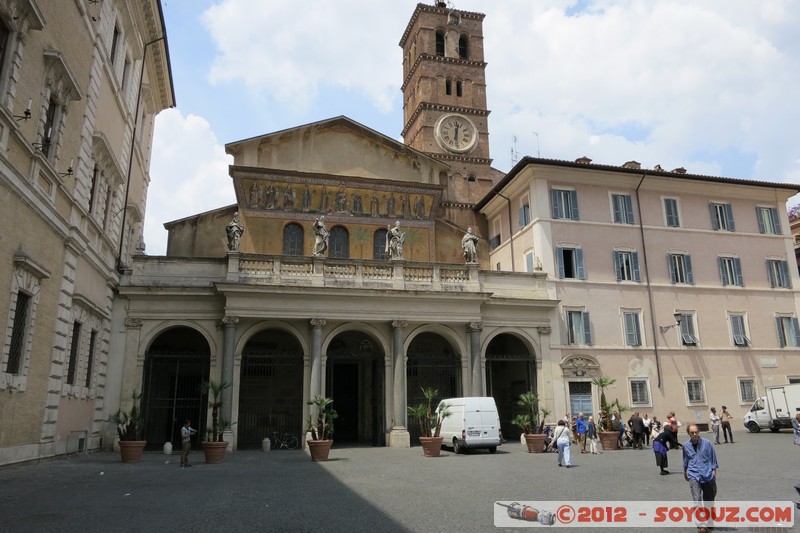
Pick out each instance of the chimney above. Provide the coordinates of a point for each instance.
(658, 168)
(632, 164)
(679, 170)
(583, 160)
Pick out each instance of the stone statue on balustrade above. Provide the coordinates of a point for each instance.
(321, 235)
(394, 242)
(234, 230)
(469, 243)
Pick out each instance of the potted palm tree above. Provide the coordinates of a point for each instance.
(320, 425)
(430, 422)
(607, 431)
(532, 423)
(129, 429)
(215, 447)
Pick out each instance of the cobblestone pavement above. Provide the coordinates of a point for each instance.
(361, 488)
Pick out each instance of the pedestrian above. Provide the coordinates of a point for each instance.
(580, 428)
(591, 434)
(700, 469)
(726, 418)
(674, 423)
(636, 423)
(646, 421)
(714, 419)
(562, 437)
(665, 440)
(621, 434)
(796, 426)
(186, 442)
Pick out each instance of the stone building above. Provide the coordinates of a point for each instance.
(80, 84)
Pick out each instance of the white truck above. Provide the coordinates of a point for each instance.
(472, 423)
(775, 410)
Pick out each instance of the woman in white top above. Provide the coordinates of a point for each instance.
(562, 435)
(715, 422)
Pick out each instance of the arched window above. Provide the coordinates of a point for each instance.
(471, 178)
(292, 239)
(440, 43)
(462, 47)
(379, 244)
(339, 242)
(459, 89)
(448, 87)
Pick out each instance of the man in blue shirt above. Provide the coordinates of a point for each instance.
(580, 428)
(700, 468)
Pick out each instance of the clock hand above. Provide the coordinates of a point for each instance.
(456, 136)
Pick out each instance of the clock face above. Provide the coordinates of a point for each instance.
(456, 133)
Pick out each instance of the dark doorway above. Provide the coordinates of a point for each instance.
(510, 371)
(175, 366)
(354, 380)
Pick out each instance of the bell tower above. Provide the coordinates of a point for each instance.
(444, 101)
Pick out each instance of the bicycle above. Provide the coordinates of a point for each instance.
(288, 441)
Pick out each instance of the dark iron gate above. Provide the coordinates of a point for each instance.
(440, 371)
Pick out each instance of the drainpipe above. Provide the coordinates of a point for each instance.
(647, 281)
(510, 231)
(120, 267)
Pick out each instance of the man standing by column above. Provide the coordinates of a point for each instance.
(700, 469)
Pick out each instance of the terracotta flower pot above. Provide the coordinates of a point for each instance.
(431, 446)
(609, 440)
(319, 449)
(215, 452)
(130, 451)
(535, 442)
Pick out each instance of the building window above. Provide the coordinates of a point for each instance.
(5, 41)
(440, 43)
(622, 206)
(463, 47)
(768, 220)
(747, 390)
(495, 241)
(630, 324)
(18, 333)
(339, 243)
(379, 244)
(293, 239)
(570, 263)
(114, 44)
(778, 274)
(640, 392)
(93, 188)
(788, 331)
(578, 329)
(722, 217)
(564, 204)
(688, 335)
(74, 353)
(524, 212)
(738, 330)
(448, 87)
(671, 213)
(90, 358)
(680, 268)
(730, 271)
(626, 265)
(459, 88)
(529, 262)
(694, 391)
(50, 130)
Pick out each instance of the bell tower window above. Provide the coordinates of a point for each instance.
(440, 43)
(463, 48)
(448, 87)
(459, 88)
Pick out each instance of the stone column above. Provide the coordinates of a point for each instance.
(474, 329)
(228, 347)
(399, 436)
(315, 387)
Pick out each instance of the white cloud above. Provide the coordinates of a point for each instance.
(188, 175)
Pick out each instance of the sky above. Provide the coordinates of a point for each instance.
(710, 86)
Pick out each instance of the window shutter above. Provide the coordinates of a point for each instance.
(781, 336)
(521, 217)
(771, 274)
(687, 266)
(737, 328)
(723, 276)
(776, 221)
(714, 219)
(615, 202)
(796, 332)
(580, 271)
(555, 201)
(628, 209)
(737, 270)
(587, 332)
(760, 218)
(786, 279)
(618, 265)
(635, 263)
(729, 216)
(671, 264)
(573, 197)
(560, 261)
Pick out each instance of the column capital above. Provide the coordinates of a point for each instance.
(475, 326)
(399, 324)
(544, 330)
(230, 320)
(317, 322)
(133, 323)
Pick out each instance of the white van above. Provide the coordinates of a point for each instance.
(473, 423)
